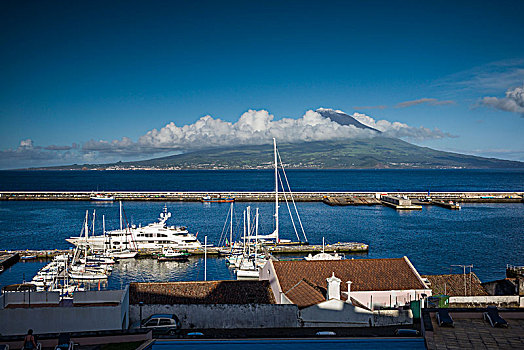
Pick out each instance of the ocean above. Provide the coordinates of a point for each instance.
(488, 236)
(262, 180)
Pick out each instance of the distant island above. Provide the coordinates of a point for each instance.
(379, 152)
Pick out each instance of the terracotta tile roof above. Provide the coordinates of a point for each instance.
(365, 274)
(210, 292)
(305, 294)
(453, 285)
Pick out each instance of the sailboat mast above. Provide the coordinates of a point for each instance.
(276, 188)
(231, 228)
(94, 215)
(86, 227)
(256, 226)
(256, 236)
(120, 215)
(248, 214)
(86, 234)
(104, 231)
(244, 221)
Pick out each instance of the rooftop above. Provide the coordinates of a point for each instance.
(204, 292)
(365, 274)
(456, 285)
(472, 332)
(305, 294)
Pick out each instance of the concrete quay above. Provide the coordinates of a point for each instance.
(7, 259)
(448, 205)
(342, 247)
(331, 198)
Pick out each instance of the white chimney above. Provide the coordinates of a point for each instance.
(333, 287)
(349, 291)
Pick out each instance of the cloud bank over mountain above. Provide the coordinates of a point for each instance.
(254, 127)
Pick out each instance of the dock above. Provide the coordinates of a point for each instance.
(7, 259)
(399, 203)
(350, 200)
(331, 198)
(341, 247)
(449, 204)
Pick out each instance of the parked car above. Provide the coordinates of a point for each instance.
(162, 324)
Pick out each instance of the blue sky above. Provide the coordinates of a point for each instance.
(77, 75)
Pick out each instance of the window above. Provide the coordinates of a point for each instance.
(152, 323)
(165, 322)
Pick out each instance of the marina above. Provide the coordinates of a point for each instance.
(41, 224)
(425, 235)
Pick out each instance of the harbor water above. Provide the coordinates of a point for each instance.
(489, 236)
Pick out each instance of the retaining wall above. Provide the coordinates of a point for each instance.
(483, 301)
(201, 316)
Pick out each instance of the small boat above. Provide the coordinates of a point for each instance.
(217, 199)
(173, 255)
(28, 257)
(87, 275)
(102, 197)
(123, 254)
(323, 255)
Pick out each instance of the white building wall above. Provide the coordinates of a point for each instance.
(202, 316)
(390, 298)
(483, 301)
(55, 319)
(267, 273)
(336, 313)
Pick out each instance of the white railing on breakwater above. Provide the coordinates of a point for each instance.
(255, 195)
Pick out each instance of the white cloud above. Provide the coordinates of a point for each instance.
(400, 130)
(513, 102)
(254, 127)
(27, 154)
(26, 144)
(430, 101)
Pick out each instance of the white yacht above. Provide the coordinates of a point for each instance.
(153, 236)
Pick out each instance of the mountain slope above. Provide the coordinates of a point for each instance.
(342, 118)
(378, 152)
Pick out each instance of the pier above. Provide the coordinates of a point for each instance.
(449, 205)
(274, 249)
(399, 202)
(8, 259)
(330, 198)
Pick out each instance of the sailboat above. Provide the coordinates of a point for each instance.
(249, 265)
(323, 255)
(83, 269)
(275, 236)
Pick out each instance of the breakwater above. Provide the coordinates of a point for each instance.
(334, 198)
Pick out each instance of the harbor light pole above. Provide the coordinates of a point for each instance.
(205, 258)
(140, 304)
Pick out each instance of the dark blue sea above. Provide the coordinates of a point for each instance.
(489, 236)
(262, 180)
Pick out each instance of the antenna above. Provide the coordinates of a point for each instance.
(464, 267)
